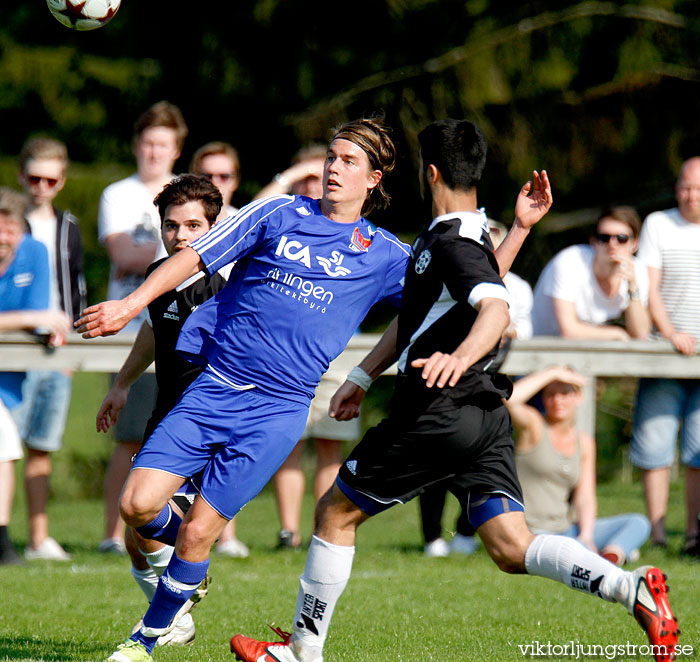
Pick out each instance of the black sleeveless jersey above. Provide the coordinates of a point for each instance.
(452, 267)
(168, 313)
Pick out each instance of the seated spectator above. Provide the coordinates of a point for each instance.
(556, 466)
(584, 288)
(24, 303)
(219, 162)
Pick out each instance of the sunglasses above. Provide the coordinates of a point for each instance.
(34, 180)
(604, 238)
(223, 176)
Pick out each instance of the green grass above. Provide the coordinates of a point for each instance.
(398, 605)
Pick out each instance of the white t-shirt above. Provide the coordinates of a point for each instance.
(672, 244)
(569, 276)
(44, 230)
(127, 207)
(520, 304)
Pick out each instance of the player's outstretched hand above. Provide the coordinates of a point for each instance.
(111, 406)
(534, 200)
(441, 369)
(104, 319)
(345, 403)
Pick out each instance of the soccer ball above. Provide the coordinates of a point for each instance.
(83, 14)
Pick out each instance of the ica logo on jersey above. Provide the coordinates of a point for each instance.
(298, 252)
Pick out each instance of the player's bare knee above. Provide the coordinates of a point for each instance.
(137, 510)
(194, 538)
(509, 556)
(335, 511)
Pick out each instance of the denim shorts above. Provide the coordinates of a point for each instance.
(629, 531)
(41, 416)
(665, 407)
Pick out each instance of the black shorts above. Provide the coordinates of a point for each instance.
(470, 448)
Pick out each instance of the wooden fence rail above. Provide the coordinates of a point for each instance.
(636, 358)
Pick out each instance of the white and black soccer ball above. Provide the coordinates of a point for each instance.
(83, 14)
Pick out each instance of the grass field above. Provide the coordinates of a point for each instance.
(397, 606)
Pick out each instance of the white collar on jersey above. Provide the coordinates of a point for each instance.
(471, 223)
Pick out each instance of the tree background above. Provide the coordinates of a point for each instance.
(604, 95)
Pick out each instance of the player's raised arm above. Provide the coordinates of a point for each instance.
(109, 317)
(534, 201)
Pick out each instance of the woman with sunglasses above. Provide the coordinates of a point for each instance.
(585, 289)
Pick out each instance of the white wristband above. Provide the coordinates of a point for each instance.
(360, 377)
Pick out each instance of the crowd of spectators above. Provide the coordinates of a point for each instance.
(633, 280)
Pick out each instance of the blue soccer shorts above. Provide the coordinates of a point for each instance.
(229, 442)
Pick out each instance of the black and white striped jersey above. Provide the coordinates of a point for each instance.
(452, 267)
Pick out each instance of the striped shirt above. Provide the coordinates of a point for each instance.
(670, 243)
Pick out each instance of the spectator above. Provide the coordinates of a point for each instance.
(521, 293)
(129, 227)
(219, 162)
(305, 177)
(41, 418)
(556, 468)
(584, 288)
(24, 302)
(670, 247)
(432, 506)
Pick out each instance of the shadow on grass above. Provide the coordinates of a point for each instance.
(34, 648)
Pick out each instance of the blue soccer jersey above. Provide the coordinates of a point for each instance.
(301, 286)
(23, 286)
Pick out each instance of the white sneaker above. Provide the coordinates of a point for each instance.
(49, 550)
(233, 548)
(181, 635)
(465, 545)
(437, 549)
(112, 546)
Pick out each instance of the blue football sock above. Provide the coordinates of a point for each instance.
(163, 528)
(175, 587)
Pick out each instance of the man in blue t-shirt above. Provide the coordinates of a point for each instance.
(24, 299)
(307, 271)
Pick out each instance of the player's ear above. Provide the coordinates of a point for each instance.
(432, 174)
(375, 176)
(61, 182)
